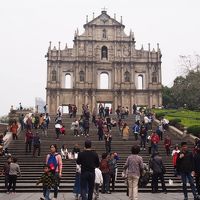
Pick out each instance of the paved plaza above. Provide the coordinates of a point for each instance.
(114, 196)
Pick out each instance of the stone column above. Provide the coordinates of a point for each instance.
(159, 99)
(57, 100)
(132, 101)
(122, 98)
(86, 98)
(150, 100)
(93, 100)
(115, 102)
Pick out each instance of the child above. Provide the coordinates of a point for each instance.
(47, 180)
(14, 170)
(98, 182)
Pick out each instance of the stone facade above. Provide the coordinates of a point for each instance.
(75, 75)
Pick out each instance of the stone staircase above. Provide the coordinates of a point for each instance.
(32, 168)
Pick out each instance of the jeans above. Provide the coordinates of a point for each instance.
(133, 187)
(87, 182)
(46, 192)
(106, 182)
(187, 176)
(154, 148)
(143, 141)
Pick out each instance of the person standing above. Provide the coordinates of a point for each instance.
(134, 165)
(104, 167)
(13, 129)
(13, 172)
(36, 144)
(28, 140)
(54, 161)
(88, 160)
(175, 153)
(125, 132)
(197, 168)
(5, 171)
(158, 168)
(185, 166)
(167, 144)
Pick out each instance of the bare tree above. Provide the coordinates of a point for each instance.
(189, 63)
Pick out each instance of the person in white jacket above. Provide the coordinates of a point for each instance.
(98, 182)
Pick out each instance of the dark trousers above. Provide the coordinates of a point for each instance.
(154, 148)
(86, 131)
(12, 182)
(14, 136)
(57, 133)
(100, 134)
(6, 180)
(35, 147)
(143, 141)
(87, 182)
(198, 184)
(57, 182)
(184, 177)
(28, 146)
(106, 182)
(112, 180)
(108, 146)
(154, 184)
(167, 151)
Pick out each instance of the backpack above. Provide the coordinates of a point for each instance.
(144, 179)
(52, 162)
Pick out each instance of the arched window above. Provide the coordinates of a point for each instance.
(104, 80)
(82, 76)
(104, 52)
(68, 81)
(127, 76)
(53, 75)
(140, 82)
(154, 77)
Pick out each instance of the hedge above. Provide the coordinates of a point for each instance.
(195, 130)
(174, 121)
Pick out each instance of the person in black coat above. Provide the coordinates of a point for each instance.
(185, 166)
(197, 168)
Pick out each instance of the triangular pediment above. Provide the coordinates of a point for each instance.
(104, 19)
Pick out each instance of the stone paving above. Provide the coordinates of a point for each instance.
(114, 196)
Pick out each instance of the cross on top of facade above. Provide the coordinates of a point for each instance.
(104, 9)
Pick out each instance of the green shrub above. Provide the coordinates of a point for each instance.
(160, 115)
(195, 130)
(175, 121)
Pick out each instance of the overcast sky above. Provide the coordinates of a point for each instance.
(27, 26)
